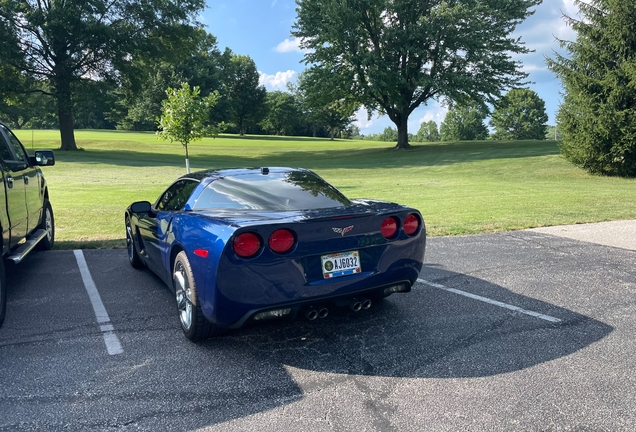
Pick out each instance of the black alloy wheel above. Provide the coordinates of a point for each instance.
(133, 256)
(48, 224)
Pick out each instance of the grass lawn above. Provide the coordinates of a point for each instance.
(460, 187)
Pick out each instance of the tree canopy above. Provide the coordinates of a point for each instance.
(284, 113)
(63, 41)
(428, 132)
(327, 106)
(464, 123)
(394, 55)
(520, 115)
(246, 97)
(597, 117)
(185, 117)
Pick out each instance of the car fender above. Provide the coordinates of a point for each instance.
(190, 233)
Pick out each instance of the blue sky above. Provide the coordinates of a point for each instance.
(261, 29)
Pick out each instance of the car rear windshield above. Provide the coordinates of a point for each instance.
(292, 190)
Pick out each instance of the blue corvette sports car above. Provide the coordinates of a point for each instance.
(246, 245)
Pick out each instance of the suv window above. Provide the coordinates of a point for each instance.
(5, 153)
(18, 151)
(176, 196)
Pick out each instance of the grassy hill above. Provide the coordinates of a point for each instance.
(460, 187)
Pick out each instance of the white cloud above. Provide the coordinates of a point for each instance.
(277, 81)
(435, 112)
(289, 45)
(569, 7)
(529, 68)
(541, 29)
(362, 119)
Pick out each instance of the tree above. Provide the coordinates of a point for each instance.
(63, 41)
(394, 55)
(141, 98)
(283, 115)
(428, 132)
(185, 115)
(464, 123)
(145, 79)
(92, 103)
(327, 107)
(520, 115)
(16, 90)
(246, 97)
(18, 101)
(352, 132)
(597, 116)
(388, 135)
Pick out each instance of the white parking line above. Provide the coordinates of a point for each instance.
(110, 338)
(492, 302)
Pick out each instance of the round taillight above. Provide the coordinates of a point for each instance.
(411, 224)
(281, 241)
(389, 227)
(247, 245)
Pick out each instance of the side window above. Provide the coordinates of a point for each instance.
(5, 153)
(176, 197)
(20, 154)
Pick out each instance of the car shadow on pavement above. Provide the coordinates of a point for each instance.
(428, 333)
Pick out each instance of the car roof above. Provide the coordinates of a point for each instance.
(235, 172)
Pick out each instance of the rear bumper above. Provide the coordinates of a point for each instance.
(234, 305)
(293, 310)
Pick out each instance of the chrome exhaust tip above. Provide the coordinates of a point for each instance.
(355, 305)
(311, 314)
(366, 304)
(323, 312)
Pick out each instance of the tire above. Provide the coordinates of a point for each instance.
(48, 224)
(194, 325)
(3, 293)
(133, 256)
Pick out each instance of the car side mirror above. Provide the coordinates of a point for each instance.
(141, 207)
(44, 158)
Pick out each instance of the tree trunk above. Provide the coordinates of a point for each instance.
(403, 132)
(65, 114)
(187, 158)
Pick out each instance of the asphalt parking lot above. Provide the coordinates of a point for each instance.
(513, 331)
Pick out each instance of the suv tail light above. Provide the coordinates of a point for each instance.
(389, 227)
(247, 245)
(411, 224)
(281, 241)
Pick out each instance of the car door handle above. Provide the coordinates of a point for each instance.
(10, 182)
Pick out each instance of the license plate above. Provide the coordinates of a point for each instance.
(340, 264)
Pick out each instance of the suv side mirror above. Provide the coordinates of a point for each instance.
(43, 158)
